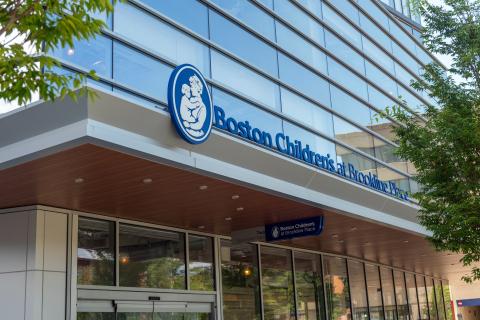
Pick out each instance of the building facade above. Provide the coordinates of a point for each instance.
(110, 214)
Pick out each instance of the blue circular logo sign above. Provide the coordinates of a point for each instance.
(190, 104)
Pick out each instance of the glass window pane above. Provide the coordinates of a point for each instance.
(401, 294)
(381, 79)
(374, 289)
(447, 300)
(304, 80)
(200, 268)
(345, 29)
(378, 99)
(317, 144)
(305, 111)
(309, 286)
(375, 33)
(412, 296)
(251, 15)
(356, 279)
(347, 78)
(388, 291)
(314, 6)
(96, 316)
(439, 299)
(96, 252)
(240, 283)
(375, 12)
(301, 48)
(242, 43)
(432, 304)
(190, 13)
(422, 297)
(300, 20)
(353, 136)
(359, 162)
(244, 111)
(348, 9)
(139, 26)
(94, 54)
(277, 282)
(151, 258)
(141, 72)
(399, 180)
(350, 107)
(245, 80)
(379, 56)
(344, 52)
(336, 288)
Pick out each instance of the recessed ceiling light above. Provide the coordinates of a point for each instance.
(147, 180)
(405, 241)
(228, 218)
(235, 197)
(239, 209)
(367, 244)
(334, 235)
(79, 180)
(353, 229)
(201, 227)
(341, 241)
(203, 187)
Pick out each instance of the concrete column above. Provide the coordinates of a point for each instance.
(33, 264)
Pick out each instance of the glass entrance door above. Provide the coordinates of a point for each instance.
(144, 310)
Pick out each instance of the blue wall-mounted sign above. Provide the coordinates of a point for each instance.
(190, 104)
(468, 302)
(294, 229)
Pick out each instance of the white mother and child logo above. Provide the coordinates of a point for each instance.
(190, 104)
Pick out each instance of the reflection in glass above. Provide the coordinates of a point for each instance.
(244, 111)
(96, 316)
(251, 15)
(140, 72)
(240, 283)
(135, 24)
(134, 316)
(96, 252)
(400, 180)
(304, 80)
(191, 13)
(151, 258)
(356, 279)
(412, 296)
(346, 78)
(94, 54)
(422, 297)
(307, 112)
(401, 294)
(353, 136)
(336, 288)
(200, 269)
(439, 299)
(362, 164)
(432, 304)
(315, 142)
(242, 43)
(309, 286)
(180, 316)
(344, 52)
(277, 282)
(345, 29)
(388, 291)
(447, 300)
(245, 80)
(350, 107)
(374, 290)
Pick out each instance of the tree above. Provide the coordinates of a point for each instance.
(445, 148)
(28, 28)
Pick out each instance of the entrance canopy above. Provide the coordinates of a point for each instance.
(117, 158)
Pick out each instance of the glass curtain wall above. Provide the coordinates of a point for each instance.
(439, 299)
(401, 295)
(447, 300)
(356, 279)
(374, 289)
(336, 288)
(422, 297)
(412, 296)
(388, 290)
(432, 304)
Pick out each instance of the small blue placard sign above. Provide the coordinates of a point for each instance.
(294, 229)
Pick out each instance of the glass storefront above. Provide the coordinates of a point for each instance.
(255, 280)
